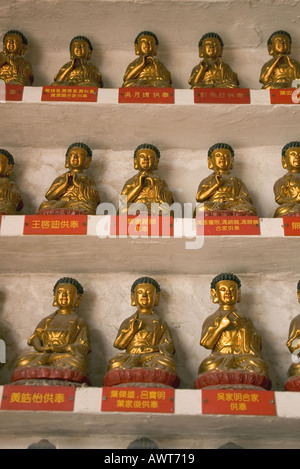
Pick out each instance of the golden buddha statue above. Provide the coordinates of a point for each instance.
(10, 198)
(79, 71)
(221, 193)
(212, 72)
(73, 192)
(146, 339)
(235, 358)
(293, 344)
(14, 69)
(281, 70)
(60, 341)
(146, 70)
(147, 192)
(287, 188)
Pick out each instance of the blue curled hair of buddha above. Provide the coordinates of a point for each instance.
(206, 35)
(69, 280)
(146, 33)
(225, 276)
(82, 38)
(145, 280)
(220, 145)
(15, 31)
(147, 145)
(8, 155)
(298, 286)
(277, 33)
(289, 145)
(80, 145)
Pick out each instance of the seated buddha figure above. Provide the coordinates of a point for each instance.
(10, 198)
(146, 70)
(79, 71)
(281, 70)
(60, 341)
(287, 188)
(145, 190)
(145, 340)
(293, 344)
(235, 346)
(212, 72)
(14, 69)
(73, 192)
(221, 193)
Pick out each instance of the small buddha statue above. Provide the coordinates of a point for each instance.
(293, 344)
(79, 71)
(287, 188)
(10, 198)
(145, 341)
(281, 70)
(212, 72)
(146, 70)
(222, 194)
(14, 69)
(73, 192)
(147, 192)
(60, 342)
(235, 346)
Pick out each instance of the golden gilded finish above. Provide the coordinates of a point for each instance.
(146, 70)
(79, 71)
(145, 188)
(233, 340)
(281, 70)
(10, 198)
(293, 342)
(220, 192)
(145, 337)
(14, 69)
(60, 340)
(212, 72)
(287, 188)
(73, 191)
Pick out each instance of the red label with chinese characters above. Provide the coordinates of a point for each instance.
(86, 94)
(55, 225)
(291, 226)
(222, 95)
(14, 92)
(126, 399)
(139, 225)
(146, 94)
(285, 96)
(55, 398)
(236, 401)
(228, 226)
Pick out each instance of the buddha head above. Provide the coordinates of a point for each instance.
(78, 157)
(146, 157)
(220, 157)
(145, 293)
(146, 43)
(6, 163)
(279, 43)
(81, 48)
(67, 294)
(14, 43)
(210, 46)
(290, 157)
(226, 289)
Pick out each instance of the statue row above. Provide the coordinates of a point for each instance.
(60, 343)
(146, 70)
(219, 194)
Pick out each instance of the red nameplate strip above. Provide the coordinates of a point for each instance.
(51, 398)
(146, 94)
(228, 226)
(14, 92)
(86, 94)
(285, 96)
(139, 225)
(126, 399)
(222, 95)
(238, 402)
(291, 226)
(55, 225)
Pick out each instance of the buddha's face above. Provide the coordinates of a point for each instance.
(5, 167)
(13, 44)
(210, 48)
(226, 293)
(145, 296)
(146, 160)
(291, 160)
(78, 159)
(221, 160)
(80, 49)
(146, 45)
(66, 296)
(281, 45)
